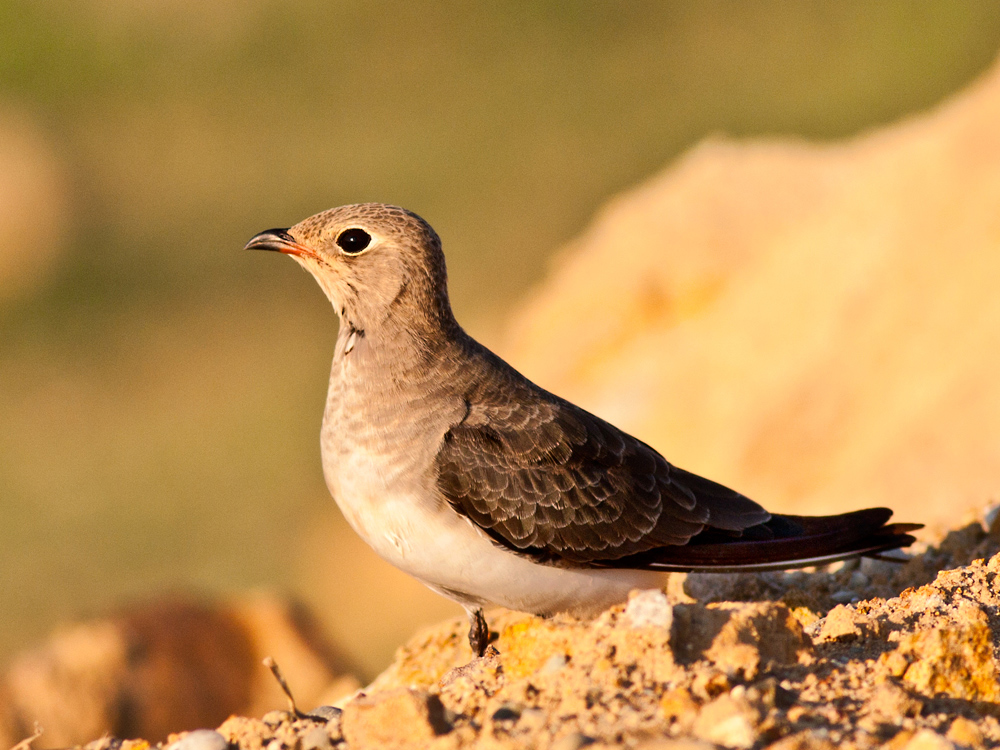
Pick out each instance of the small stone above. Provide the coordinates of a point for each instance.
(325, 713)
(200, 739)
(840, 625)
(649, 609)
(726, 721)
(400, 718)
(844, 596)
(892, 703)
(316, 739)
(965, 733)
(758, 637)
(553, 664)
(507, 712)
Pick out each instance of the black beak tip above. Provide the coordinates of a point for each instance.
(270, 239)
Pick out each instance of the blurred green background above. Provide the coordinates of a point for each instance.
(161, 391)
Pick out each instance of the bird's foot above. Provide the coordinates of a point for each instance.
(479, 632)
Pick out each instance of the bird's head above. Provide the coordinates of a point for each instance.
(373, 261)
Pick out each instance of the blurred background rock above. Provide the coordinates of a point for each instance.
(161, 392)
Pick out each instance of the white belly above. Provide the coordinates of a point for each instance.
(418, 532)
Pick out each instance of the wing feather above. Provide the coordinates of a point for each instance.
(549, 479)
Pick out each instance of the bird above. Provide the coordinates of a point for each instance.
(492, 491)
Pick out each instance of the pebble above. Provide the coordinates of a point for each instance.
(649, 609)
(316, 739)
(200, 739)
(843, 596)
(325, 713)
(553, 664)
(507, 712)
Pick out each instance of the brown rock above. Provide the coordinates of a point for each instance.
(890, 702)
(401, 718)
(71, 686)
(957, 662)
(965, 733)
(845, 623)
(727, 721)
(166, 666)
(740, 639)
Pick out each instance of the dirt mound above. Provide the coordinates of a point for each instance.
(869, 654)
(163, 665)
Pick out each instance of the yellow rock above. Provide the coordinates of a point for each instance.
(957, 662)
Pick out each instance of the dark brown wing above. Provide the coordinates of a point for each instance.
(548, 479)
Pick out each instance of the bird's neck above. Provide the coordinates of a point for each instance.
(372, 355)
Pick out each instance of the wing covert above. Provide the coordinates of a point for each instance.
(548, 479)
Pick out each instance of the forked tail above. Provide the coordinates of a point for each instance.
(781, 543)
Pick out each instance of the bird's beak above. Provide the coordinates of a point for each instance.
(279, 240)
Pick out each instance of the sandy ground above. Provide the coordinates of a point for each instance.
(867, 654)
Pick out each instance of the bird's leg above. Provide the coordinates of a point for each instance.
(479, 631)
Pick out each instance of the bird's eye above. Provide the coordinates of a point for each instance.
(354, 240)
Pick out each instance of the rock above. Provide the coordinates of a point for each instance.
(740, 639)
(727, 721)
(846, 623)
(955, 662)
(840, 624)
(400, 718)
(965, 733)
(891, 703)
(166, 666)
(200, 739)
(326, 713)
(649, 609)
(317, 738)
